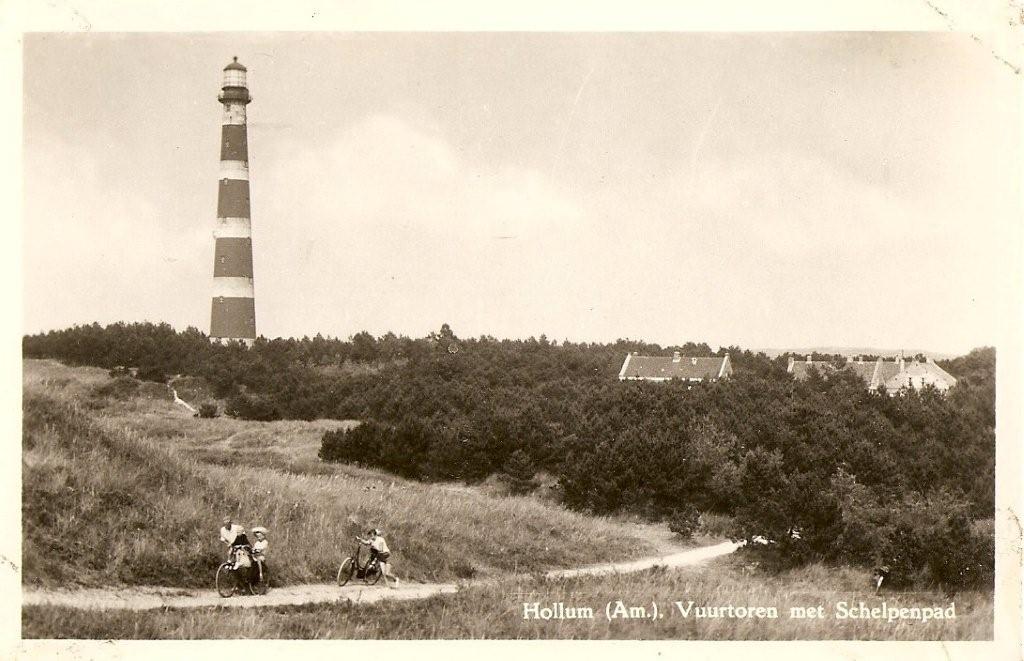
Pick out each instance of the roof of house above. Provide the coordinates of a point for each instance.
(865, 371)
(913, 370)
(670, 367)
(802, 369)
(892, 374)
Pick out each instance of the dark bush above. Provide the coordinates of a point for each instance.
(684, 521)
(252, 407)
(120, 388)
(208, 410)
(518, 473)
(152, 373)
(955, 554)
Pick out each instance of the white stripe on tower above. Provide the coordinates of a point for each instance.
(234, 170)
(233, 312)
(234, 114)
(233, 228)
(232, 287)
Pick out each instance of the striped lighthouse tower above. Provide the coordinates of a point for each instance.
(233, 315)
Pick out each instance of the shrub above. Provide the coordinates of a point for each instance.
(950, 551)
(252, 407)
(684, 521)
(716, 525)
(341, 445)
(151, 373)
(929, 539)
(120, 388)
(518, 473)
(208, 410)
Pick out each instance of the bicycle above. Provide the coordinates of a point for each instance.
(350, 567)
(255, 578)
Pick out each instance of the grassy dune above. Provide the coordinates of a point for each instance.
(496, 611)
(106, 504)
(147, 408)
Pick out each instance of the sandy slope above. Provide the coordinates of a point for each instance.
(143, 598)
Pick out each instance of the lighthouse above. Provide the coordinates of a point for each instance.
(233, 315)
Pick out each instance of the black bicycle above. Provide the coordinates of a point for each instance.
(351, 568)
(255, 578)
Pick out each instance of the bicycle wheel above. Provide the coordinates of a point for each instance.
(261, 580)
(345, 571)
(372, 577)
(225, 580)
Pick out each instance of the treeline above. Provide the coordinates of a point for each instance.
(822, 468)
(385, 378)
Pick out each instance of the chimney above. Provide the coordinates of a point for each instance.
(675, 357)
(789, 368)
(860, 360)
(808, 357)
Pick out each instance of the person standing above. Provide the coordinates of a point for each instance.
(379, 553)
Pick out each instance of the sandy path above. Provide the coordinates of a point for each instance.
(144, 598)
(670, 561)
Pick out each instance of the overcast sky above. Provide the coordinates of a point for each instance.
(753, 189)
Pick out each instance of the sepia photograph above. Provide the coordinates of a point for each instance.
(662, 335)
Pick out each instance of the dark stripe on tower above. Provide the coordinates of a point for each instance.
(233, 199)
(233, 258)
(233, 317)
(233, 144)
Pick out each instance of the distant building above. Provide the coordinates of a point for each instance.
(665, 368)
(895, 375)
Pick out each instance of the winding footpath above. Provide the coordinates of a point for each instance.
(146, 598)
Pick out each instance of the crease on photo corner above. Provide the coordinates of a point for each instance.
(77, 17)
(1016, 21)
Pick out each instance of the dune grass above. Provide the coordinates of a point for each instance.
(496, 611)
(104, 504)
(288, 445)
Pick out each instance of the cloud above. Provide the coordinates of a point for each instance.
(103, 249)
(386, 171)
(792, 203)
(387, 226)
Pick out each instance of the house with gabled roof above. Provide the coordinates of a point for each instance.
(895, 375)
(666, 368)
